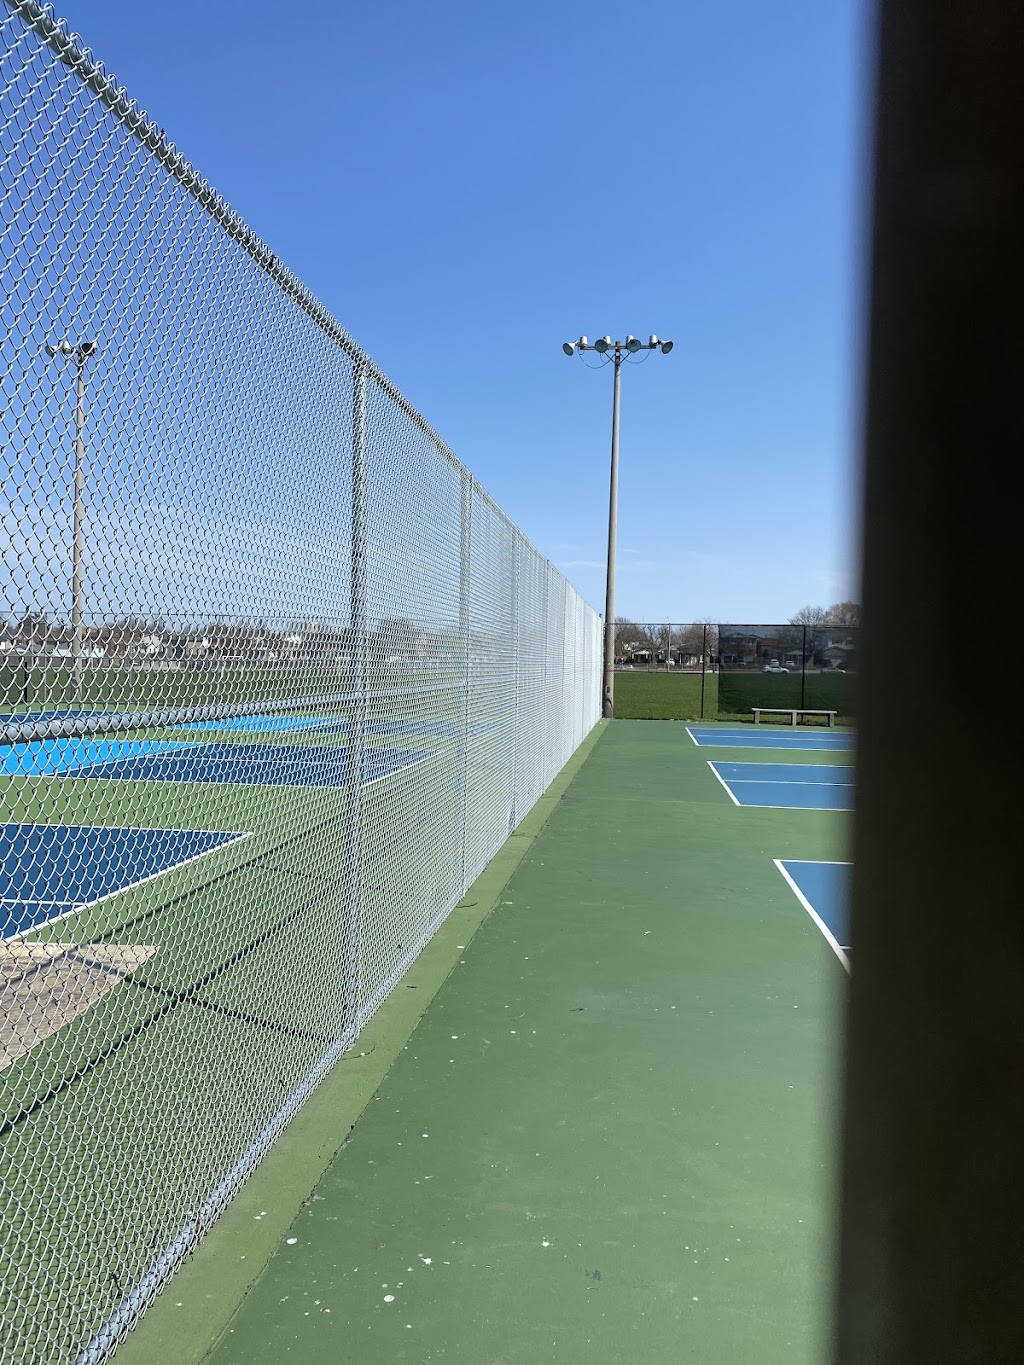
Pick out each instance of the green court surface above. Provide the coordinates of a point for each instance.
(610, 1136)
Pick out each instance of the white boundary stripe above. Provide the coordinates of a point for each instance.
(782, 781)
(84, 776)
(763, 805)
(729, 783)
(231, 837)
(725, 784)
(830, 938)
(802, 743)
(821, 862)
(30, 900)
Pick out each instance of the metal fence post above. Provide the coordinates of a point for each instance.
(357, 711)
(515, 683)
(465, 665)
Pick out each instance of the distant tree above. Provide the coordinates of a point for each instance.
(700, 638)
(625, 636)
(810, 616)
(838, 614)
(844, 614)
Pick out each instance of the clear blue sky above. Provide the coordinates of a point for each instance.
(466, 185)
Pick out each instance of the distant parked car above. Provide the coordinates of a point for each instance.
(775, 668)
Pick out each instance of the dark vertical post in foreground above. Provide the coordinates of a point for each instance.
(357, 707)
(932, 1212)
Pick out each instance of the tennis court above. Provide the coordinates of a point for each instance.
(823, 889)
(275, 765)
(283, 724)
(52, 871)
(764, 737)
(788, 786)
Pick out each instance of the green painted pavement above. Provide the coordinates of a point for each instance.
(611, 1135)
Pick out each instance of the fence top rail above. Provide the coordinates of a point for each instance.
(79, 58)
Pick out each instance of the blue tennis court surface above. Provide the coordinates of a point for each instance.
(49, 871)
(271, 725)
(823, 889)
(52, 757)
(330, 725)
(787, 786)
(277, 765)
(763, 737)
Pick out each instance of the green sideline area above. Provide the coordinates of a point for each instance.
(595, 1123)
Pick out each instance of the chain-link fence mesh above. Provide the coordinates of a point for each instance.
(701, 670)
(277, 678)
(798, 665)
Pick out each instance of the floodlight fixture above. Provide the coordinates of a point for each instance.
(602, 345)
(666, 346)
(633, 344)
(652, 341)
(568, 347)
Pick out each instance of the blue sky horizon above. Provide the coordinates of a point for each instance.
(466, 188)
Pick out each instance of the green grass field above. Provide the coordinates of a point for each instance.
(148, 688)
(729, 696)
(664, 696)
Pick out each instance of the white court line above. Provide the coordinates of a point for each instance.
(830, 938)
(83, 775)
(824, 810)
(804, 746)
(782, 781)
(129, 886)
(725, 784)
(32, 900)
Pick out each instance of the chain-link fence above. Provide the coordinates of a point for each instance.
(278, 678)
(791, 665)
(708, 670)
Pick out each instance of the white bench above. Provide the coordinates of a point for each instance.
(793, 712)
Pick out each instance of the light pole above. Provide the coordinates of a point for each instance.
(616, 352)
(79, 354)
